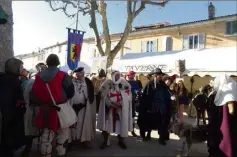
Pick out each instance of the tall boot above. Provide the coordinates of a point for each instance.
(142, 134)
(106, 137)
(121, 142)
(133, 132)
(148, 136)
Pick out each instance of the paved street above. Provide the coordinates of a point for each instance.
(136, 147)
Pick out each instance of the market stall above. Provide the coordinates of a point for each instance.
(213, 61)
(201, 65)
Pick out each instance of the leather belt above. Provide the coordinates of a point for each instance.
(78, 107)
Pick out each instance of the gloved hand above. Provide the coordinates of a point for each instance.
(136, 91)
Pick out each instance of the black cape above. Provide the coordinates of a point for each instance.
(146, 119)
(12, 132)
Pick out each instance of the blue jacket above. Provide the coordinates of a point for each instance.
(134, 86)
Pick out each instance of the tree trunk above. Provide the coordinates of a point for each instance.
(110, 60)
(6, 34)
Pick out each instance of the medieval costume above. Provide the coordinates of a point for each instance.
(52, 89)
(214, 123)
(12, 108)
(134, 89)
(115, 111)
(155, 108)
(226, 100)
(84, 106)
(97, 82)
(200, 103)
(32, 109)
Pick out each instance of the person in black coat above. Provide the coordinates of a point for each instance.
(155, 108)
(200, 103)
(12, 108)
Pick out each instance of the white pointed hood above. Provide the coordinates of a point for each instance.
(226, 89)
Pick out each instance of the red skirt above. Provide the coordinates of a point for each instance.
(47, 118)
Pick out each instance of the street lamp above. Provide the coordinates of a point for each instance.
(3, 16)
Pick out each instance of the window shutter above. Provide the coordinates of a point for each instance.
(234, 27)
(228, 28)
(142, 46)
(147, 43)
(154, 45)
(202, 38)
(164, 43)
(169, 44)
(185, 42)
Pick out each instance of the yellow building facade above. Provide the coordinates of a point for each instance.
(192, 35)
(219, 32)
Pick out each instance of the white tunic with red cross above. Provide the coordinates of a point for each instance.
(115, 96)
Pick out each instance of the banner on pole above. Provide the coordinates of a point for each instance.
(75, 39)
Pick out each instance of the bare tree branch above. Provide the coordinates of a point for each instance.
(65, 5)
(93, 25)
(159, 3)
(149, 2)
(140, 9)
(91, 7)
(131, 16)
(127, 30)
(134, 6)
(129, 7)
(103, 13)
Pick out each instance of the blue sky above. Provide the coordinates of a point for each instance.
(36, 26)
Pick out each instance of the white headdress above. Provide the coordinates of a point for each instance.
(113, 74)
(226, 89)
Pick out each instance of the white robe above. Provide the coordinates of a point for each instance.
(31, 111)
(124, 125)
(85, 127)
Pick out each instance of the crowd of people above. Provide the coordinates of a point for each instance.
(69, 107)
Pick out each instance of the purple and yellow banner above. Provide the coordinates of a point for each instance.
(75, 39)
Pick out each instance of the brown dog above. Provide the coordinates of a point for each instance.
(188, 134)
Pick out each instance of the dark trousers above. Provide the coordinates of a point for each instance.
(143, 133)
(162, 126)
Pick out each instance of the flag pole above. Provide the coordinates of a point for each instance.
(77, 14)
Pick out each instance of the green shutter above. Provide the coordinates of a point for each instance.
(234, 27)
(228, 28)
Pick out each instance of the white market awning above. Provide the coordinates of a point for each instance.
(146, 62)
(213, 61)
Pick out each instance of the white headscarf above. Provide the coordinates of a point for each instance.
(114, 73)
(226, 89)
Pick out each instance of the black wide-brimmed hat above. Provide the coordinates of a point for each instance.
(79, 69)
(156, 71)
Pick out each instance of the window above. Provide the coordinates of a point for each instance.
(231, 28)
(168, 44)
(149, 46)
(196, 41)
